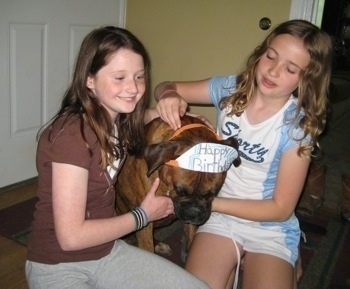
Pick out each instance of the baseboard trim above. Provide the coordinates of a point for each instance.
(18, 185)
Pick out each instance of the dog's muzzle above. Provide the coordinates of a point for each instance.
(191, 210)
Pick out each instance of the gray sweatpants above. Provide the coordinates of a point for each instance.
(126, 267)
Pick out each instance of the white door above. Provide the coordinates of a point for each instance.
(38, 43)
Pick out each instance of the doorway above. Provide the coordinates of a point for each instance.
(39, 41)
(336, 22)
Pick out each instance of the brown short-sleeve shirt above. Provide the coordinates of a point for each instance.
(66, 145)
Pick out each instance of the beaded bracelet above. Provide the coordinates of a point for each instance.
(165, 92)
(140, 216)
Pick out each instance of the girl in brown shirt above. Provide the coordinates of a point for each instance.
(75, 228)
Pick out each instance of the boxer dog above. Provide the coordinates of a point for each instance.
(191, 189)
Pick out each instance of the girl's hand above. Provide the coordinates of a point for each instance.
(157, 207)
(171, 108)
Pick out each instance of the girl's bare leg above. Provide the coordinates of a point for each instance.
(266, 271)
(230, 280)
(212, 258)
(298, 271)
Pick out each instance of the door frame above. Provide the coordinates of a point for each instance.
(122, 13)
(310, 10)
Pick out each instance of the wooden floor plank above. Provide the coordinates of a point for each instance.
(18, 195)
(12, 254)
(12, 262)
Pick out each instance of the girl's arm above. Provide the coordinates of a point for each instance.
(69, 199)
(173, 98)
(290, 180)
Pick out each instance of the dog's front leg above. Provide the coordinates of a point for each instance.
(189, 232)
(144, 238)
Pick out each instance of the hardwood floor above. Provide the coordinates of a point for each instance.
(12, 258)
(12, 254)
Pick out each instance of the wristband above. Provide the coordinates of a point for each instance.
(144, 215)
(165, 92)
(140, 216)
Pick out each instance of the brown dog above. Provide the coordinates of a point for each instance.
(191, 191)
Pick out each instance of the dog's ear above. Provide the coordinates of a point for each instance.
(156, 155)
(232, 142)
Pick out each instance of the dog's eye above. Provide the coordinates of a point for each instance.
(209, 196)
(181, 191)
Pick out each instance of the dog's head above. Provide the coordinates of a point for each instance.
(192, 191)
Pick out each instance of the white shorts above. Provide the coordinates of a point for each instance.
(277, 239)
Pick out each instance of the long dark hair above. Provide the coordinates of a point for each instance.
(80, 101)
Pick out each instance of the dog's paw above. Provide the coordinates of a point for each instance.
(163, 249)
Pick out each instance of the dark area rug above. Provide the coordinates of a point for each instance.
(15, 220)
(325, 254)
(325, 250)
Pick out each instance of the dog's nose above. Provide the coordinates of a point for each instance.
(191, 212)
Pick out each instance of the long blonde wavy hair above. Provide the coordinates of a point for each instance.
(313, 84)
